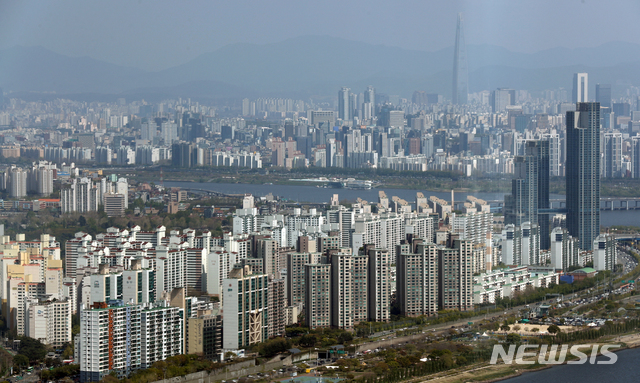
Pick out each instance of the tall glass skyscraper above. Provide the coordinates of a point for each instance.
(530, 190)
(460, 70)
(540, 153)
(344, 112)
(603, 95)
(583, 173)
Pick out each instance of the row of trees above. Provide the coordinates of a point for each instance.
(442, 360)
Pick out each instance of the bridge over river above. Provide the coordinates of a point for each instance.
(560, 205)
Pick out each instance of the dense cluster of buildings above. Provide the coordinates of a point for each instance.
(478, 133)
(143, 296)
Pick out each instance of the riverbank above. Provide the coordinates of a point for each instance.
(316, 195)
(502, 372)
(382, 178)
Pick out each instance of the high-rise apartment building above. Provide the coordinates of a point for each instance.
(317, 306)
(49, 322)
(80, 197)
(501, 98)
(564, 249)
(171, 265)
(379, 294)
(246, 312)
(460, 91)
(104, 347)
(635, 156)
(138, 284)
(554, 153)
(605, 254)
(296, 275)
(17, 182)
(345, 270)
(204, 335)
(103, 155)
(19, 296)
(40, 178)
(369, 103)
(530, 244)
(583, 173)
(276, 302)
(612, 155)
(344, 112)
(417, 280)
(121, 339)
(522, 204)
(102, 287)
(148, 130)
(580, 88)
(113, 204)
(455, 289)
(161, 333)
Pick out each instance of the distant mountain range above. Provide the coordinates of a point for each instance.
(317, 65)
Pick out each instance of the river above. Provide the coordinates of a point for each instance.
(302, 193)
(624, 370)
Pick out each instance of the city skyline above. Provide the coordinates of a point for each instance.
(184, 184)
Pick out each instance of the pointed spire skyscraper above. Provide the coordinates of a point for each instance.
(460, 70)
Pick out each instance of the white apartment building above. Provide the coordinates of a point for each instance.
(20, 293)
(49, 322)
(379, 286)
(161, 333)
(417, 280)
(605, 252)
(124, 338)
(296, 282)
(171, 267)
(246, 313)
(317, 304)
(80, 197)
(491, 285)
(564, 249)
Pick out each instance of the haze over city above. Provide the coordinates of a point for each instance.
(346, 39)
(319, 192)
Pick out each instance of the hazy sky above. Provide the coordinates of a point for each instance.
(158, 34)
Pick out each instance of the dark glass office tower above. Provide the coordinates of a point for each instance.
(538, 151)
(530, 190)
(460, 71)
(583, 173)
(603, 95)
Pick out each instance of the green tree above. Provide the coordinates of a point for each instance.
(274, 346)
(345, 337)
(20, 360)
(308, 340)
(32, 349)
(513, 338)
(68, 351)
(553, 329)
